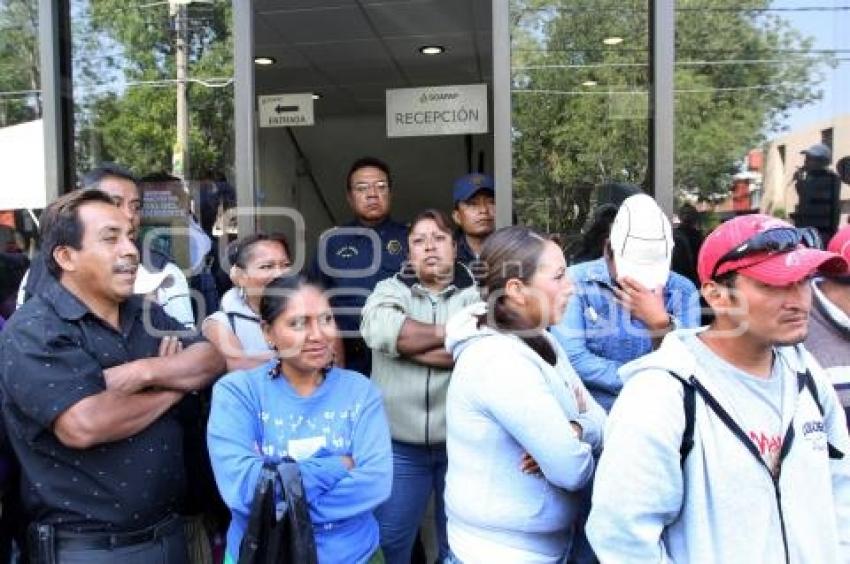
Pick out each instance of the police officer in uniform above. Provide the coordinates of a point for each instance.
(353, 258)
(819, 193)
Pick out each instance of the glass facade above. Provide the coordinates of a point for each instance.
(153, 92)
(20, 109)
(756, 82)
(580, 87)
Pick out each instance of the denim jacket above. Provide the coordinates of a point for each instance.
(599, 335)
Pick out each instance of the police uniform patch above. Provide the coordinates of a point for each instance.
(394, 246)
(347, 251)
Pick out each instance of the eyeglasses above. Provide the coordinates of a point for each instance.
(772, 241)
(362, 187)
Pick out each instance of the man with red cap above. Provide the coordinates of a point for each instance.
(728, 444)
(829, 333)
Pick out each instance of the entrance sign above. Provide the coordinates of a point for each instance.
(286, 110)
(437, 110)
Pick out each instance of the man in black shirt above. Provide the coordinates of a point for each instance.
(89, 375)
(818, 192)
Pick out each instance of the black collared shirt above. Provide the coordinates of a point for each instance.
(53, 352)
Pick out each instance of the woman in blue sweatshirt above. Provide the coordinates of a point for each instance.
(330, 420)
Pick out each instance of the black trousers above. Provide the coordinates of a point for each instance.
(170, 548)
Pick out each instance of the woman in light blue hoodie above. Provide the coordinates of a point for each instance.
(331, 421)
(521, 426)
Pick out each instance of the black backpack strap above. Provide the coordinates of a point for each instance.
(689, 405)
(805, 380)
(736, 430)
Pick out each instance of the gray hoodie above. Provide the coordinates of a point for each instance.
(505, 400)
(721, 506)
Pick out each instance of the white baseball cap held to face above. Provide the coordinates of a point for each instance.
(642, 242)
(148, 281)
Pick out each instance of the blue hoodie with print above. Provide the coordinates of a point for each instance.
(255, 417)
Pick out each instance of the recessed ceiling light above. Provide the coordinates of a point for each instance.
(589, 83)
(317, 96)
(264, 61)
(612, 40)
(432, 49)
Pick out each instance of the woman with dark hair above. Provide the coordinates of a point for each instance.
(403, 324)
(521, 426)
(330, 420)
(235, 330)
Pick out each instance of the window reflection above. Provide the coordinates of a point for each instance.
(125, 58)
(756, 83)
(20, 108)
(580, 82)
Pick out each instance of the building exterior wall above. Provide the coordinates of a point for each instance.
(780, 197)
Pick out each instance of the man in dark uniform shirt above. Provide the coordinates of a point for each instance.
(353, 258)
(818, 192)
(474, 214)
(90, 375)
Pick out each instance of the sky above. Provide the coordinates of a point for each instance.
(831, 31)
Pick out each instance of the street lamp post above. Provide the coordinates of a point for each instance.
(180, 158)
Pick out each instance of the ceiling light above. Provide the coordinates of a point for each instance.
(432, 49)
(589, 83)
(317, 96)
(612, 40)
(264, 61)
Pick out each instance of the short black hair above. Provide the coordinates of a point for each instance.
(688, 215)
(239, 251)
(161, 177)
(93, 177)
(61, 225)
(277, 293)
(727, 278)
(363, 162)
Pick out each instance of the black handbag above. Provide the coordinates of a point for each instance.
(279, 533)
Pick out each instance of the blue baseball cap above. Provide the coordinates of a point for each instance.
(470, 184)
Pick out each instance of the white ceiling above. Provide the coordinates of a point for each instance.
(351, 51)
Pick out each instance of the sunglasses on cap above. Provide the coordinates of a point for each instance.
(776, 240)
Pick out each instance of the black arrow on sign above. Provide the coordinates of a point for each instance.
(283, 109)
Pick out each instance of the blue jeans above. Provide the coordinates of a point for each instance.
(417, 472)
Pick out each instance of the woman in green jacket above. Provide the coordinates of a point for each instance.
(403, 323)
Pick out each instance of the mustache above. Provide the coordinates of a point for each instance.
(125, 267)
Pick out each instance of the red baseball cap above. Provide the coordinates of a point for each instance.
(840, 243)
(773, 268)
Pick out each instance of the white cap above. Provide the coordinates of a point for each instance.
(148, 281)
(642, 241)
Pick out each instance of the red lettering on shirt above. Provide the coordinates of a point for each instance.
(768, 446)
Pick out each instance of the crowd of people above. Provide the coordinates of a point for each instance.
(549, 413)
